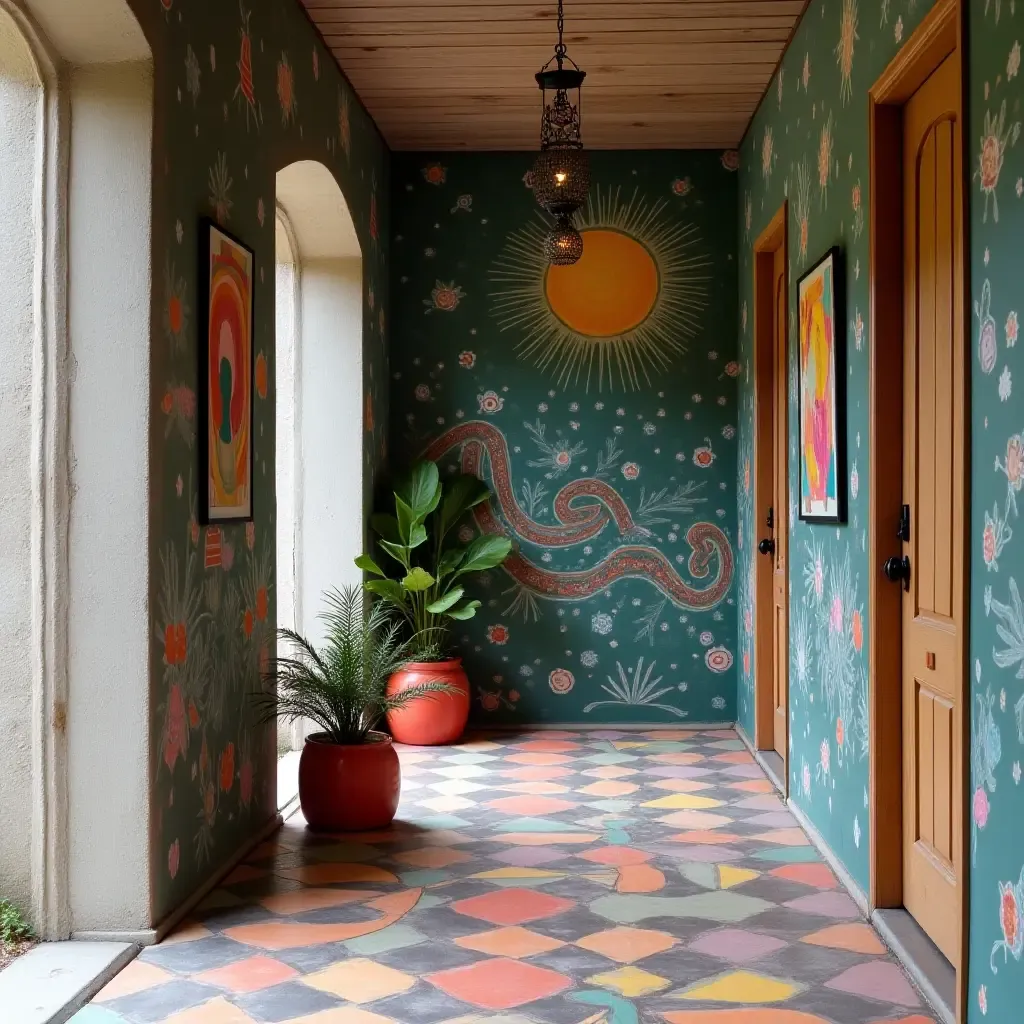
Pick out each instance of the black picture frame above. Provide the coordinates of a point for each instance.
(833, 257)
(208, 513)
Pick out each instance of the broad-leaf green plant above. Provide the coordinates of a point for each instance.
(428, 590)
(342, 686)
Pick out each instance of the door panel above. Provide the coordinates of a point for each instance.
(780, 502)
(932, 487)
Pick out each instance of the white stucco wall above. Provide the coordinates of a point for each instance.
(287, 326)
(320, 396)
(330, 516)
(21, 119)
(109, 325)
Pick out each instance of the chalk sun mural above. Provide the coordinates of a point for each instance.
(619, 315)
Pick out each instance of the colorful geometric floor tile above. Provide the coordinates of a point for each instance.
(540, 878)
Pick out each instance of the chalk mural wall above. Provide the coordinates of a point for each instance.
(808, 143)
(599, 401)
(997, 540)
(242, 90)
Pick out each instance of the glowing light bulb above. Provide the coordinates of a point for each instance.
(560, 177)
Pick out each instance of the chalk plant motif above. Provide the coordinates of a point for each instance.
(556, 456)
(844, 48)
(220, 182)
(767, 153)
(608, 460)
(824, 161)
(636, 690)
(986, 751)
(837, 635)
(648, 622)
(803, 204)
(1011, 631)
(666, 504)
(193, 74)
(534, 496)
(524, 603)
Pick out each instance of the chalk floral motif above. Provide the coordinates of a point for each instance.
(635, 688)
(995, 138)
(444, 297)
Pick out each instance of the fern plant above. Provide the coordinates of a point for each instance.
(342, 686)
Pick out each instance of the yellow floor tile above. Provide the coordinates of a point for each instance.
(741, 987)
(683, 802)
(630, 982)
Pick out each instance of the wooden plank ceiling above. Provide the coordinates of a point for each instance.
(458, 74)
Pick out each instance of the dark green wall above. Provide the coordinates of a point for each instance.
(217, 147)
(491, 358)
(828, 678)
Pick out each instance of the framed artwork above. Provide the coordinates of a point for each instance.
(226, 277)
(822, 391)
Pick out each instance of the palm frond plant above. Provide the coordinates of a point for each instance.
(342, 686)
(427, 587)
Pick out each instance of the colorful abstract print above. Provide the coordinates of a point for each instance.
(595, 403)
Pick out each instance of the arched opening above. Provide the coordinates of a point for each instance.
(319, 388)
(76, 102)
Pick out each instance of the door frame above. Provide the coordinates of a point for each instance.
(941, 33)
(771, 239)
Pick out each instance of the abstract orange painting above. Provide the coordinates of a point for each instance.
(822, 421)
(226, 375)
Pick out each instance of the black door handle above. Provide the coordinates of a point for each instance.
(767, 546)
(897, 569)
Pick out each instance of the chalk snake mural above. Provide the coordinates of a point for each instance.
(580, 520)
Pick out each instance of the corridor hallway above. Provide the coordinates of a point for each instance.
(535, 878)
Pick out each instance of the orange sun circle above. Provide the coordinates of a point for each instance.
(611, 290)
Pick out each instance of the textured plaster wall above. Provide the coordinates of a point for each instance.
(329, 514)
(110, 188)
(21, 114)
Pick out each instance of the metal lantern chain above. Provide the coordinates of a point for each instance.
(561, 172)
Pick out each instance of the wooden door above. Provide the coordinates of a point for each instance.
(780, 506)
(933, 490)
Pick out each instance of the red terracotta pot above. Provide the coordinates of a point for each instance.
(434, 718)
(349, 788)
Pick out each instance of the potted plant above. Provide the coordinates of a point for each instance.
(349, 778)
(428, 592)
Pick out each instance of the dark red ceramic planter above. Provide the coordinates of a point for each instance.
(349, 788)
(435, 718)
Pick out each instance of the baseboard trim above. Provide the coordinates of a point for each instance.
(591, 727)
(927, 967)
(778, 781)
(844, 876)
(175, 918)
(142, 937)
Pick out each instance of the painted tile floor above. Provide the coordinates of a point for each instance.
(542, 878)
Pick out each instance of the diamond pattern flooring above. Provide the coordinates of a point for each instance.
(545, 878)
